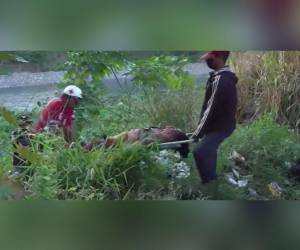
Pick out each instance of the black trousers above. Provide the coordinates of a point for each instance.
(205, 155)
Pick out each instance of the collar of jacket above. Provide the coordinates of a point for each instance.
(225, 68)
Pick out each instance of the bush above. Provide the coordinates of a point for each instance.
(268, 148)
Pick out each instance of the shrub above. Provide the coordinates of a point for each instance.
(268, 149)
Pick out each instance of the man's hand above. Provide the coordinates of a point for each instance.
(194, 137)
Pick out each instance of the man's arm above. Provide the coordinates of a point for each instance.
(42, 121)
(206, 97)
(217, 89)
(204, 106)
(68, 125)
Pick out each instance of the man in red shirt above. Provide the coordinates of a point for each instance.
(60, 112)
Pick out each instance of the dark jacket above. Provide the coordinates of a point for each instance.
(220, 104)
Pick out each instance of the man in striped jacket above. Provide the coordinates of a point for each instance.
(217, 119)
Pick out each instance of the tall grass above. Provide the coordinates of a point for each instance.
(269, 82)
(179, 108)
(123, 172)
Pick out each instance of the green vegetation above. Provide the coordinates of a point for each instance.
(164, 95)
(269, 150)
(269, 82)
(124, 172)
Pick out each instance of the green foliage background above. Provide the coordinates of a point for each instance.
(163, 94)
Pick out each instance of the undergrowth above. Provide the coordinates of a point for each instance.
(268, 93)
(131, 171)
(269, 150)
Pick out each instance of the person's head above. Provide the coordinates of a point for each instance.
(73, 94)
(215, 59)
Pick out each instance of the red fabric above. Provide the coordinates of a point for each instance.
(217, 52)
(54, 111)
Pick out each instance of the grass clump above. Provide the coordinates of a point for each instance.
(268, 148)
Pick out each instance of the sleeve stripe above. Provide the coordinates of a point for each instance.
(210, 102)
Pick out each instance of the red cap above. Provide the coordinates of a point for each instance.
(213, 53)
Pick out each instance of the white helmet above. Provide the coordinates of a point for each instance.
(73, 90)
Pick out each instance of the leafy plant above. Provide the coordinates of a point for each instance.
(85, 66)
(161, 71)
